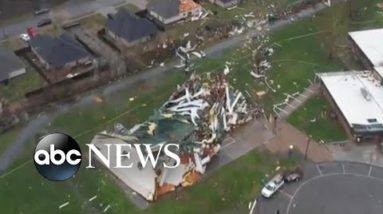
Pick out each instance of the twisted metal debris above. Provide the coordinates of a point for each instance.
(196, 116)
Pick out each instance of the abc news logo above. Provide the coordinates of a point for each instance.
(58, 156)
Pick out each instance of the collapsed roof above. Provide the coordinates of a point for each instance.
(196, 117)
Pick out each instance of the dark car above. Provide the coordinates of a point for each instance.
(41, 11)
(293, 175)
(44, 22)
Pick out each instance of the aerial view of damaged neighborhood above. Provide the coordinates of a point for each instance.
(191, 106)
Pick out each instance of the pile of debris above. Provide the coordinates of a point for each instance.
(196, 117)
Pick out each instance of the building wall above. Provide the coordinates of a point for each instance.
(17, 73)
(341, 119)
(125, 42)
(180, 16)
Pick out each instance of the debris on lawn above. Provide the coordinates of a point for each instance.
(92, 198)
(279, 106)
(106, 208)
(196, 116)
(226, 71)
(98, 99)
(63, 205)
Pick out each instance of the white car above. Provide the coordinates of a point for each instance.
(25, 37)
(272, 186)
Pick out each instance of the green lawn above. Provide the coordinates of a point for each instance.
(231, 187)
(18, 86)
(313, 119)
(129, 7)
(300, 52)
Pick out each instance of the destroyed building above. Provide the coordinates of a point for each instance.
(196, 117)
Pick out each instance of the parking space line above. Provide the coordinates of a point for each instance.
(343, 170)
(232, 141)
(320, 172)
(369, 172)
(286, 194)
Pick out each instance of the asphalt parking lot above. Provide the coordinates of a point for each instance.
(330, 188)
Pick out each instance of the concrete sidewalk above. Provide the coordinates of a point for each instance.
(287, 135)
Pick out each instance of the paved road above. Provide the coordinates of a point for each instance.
(68, 10)
(329, 188)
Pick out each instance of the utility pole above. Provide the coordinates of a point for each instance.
(1, 17)
(307, 146)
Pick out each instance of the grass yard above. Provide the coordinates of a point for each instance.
(93, 23)
(228, 189)
(129, 7)
(13, 43)
(313, 119)
(300, 52)
(19, 86)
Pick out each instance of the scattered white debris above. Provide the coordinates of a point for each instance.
(64, 205)
(106, 208)
(197, 54)
(232, 8)
(92, 198)
(256, 76)
(226, 71)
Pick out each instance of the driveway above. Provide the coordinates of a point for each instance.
(329, 188)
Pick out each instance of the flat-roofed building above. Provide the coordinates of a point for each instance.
(358, 98)
(368, 45)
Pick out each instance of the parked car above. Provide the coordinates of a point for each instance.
(44, 22)
(293, 175)
(25, 37)
(272, 186)
(41, 11)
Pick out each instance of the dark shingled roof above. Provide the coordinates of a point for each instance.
(130, 26)
(58, 51)
(165, 8)
(9, 63)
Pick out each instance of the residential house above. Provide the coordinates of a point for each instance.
(225, 3)
(170, 11)
(129, 29)
(62, 52)
(10, 66)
